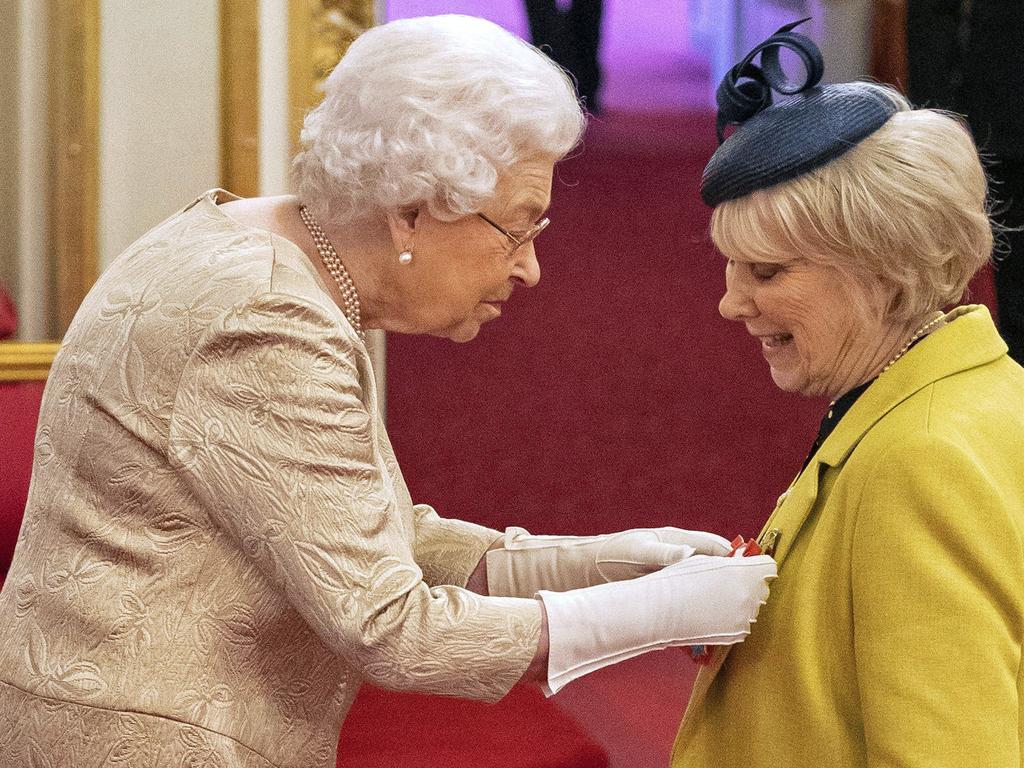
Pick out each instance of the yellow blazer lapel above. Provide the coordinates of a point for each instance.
(958, 346)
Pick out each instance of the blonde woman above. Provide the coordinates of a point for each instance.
(848, 222)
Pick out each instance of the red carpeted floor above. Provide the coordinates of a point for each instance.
(399, 730)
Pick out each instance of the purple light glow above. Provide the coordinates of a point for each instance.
(648, 59)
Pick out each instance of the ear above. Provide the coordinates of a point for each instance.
(402, 224)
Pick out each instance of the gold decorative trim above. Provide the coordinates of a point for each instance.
(22, 361)
(74, 54)
(319, 33)
(240, 96)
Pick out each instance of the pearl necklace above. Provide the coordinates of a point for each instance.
(917, 335)
(332, 261)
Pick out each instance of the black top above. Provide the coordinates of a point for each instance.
(840, 407)
(835, 414)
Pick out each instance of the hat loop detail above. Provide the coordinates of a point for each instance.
(747, 88)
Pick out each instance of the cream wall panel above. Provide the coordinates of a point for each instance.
(730, 28)
(275, 141)
(159, 113)
(847, 42)
(9, 149)
(34, 288)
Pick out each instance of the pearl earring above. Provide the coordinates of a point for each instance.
(405, 257)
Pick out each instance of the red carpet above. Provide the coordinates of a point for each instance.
(388, 730)
(613, 394)
(19, 412)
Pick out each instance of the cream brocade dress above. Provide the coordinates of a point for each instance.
(218, 546)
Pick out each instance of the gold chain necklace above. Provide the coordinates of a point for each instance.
(331, 260)
(917, 335)
(906, 347)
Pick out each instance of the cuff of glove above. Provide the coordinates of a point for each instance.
(601, 625)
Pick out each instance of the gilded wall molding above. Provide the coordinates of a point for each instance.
(319, 33)
(74, 55)
(72, 133)
(26, 361)
(240, 96)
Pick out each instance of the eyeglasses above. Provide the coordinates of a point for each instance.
(522, 238)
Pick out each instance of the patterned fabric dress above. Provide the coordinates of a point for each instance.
(218, 546)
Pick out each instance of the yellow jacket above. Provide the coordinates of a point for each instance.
(893, 634)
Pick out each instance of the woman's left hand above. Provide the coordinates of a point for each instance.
(526, 564)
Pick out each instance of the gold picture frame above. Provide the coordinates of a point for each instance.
(74, 56)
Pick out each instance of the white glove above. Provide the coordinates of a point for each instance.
(699, 601)
(526, 564)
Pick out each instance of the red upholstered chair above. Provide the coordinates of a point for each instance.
(19, 411)
(8, 314)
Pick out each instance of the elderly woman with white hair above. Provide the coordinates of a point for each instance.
(848, 222)
(218, 546)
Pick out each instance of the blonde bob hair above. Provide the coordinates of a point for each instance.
(430, 111)
(903, 213)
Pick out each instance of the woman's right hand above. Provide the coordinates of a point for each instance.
(701, 600)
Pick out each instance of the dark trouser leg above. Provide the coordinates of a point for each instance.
(572, 39)
(549, 31)
(1009, 271)
(585, 28)
(542, 16)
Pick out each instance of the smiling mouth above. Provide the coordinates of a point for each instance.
(776, 341)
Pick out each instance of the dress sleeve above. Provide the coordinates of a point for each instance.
(449, 550)
(271, 432)
(938, 615)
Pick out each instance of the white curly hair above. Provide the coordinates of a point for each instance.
(429, 111)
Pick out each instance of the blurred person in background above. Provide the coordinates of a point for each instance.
(570, 32)
(967, 56)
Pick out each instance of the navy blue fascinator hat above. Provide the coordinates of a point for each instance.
(776, 141)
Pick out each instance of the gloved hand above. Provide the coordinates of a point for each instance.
(698, 601)
(526, 564)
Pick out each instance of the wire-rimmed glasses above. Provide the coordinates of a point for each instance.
(522, 238)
